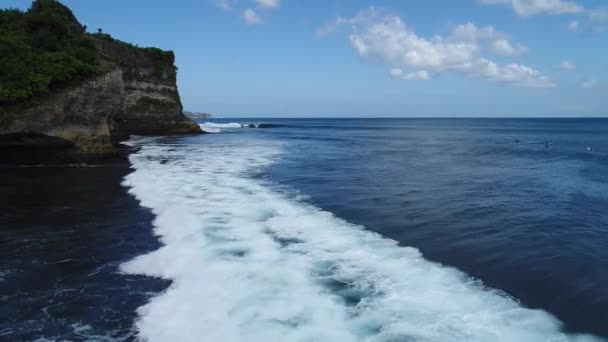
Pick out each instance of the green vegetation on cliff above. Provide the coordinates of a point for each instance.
(42, 49)
(59, 83)
(45, 49)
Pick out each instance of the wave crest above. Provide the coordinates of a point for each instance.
(252, 263)
(213, 127)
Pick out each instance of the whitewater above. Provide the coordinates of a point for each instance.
(250, 260)
(214, 127)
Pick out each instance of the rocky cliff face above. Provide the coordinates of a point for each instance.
(137, 95)
(150, 102)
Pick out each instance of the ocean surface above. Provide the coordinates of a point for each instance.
(317, 230)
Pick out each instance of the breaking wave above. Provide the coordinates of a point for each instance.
(213, 127)
(252, 262)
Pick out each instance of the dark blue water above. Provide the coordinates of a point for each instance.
(519, 204)
(64, 230)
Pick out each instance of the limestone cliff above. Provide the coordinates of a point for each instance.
(149, 101)
(136, 94)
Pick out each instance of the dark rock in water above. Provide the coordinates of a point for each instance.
(84, 119)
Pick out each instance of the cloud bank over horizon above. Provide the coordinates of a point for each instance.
(385, 38)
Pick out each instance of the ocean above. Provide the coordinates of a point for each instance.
(317, 230)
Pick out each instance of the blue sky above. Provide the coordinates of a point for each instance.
(352, 58)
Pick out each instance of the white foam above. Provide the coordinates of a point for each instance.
(222, 125)
(251, 263)
(210, 129)
(214, 127)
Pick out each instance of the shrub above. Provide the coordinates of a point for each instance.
(41, 50)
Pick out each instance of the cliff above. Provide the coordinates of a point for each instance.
(131, 90)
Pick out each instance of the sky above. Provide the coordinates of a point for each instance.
(363, 58)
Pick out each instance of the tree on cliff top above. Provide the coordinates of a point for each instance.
(41, 50)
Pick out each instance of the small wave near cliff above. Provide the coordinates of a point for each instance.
(251, 262)
(214, 127)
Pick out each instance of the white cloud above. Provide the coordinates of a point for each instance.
(589, 84)
(504, 48)
(598, 19)
(573, 26)
(420, 75)
(331, 27)
(396, 72)
(340, 22)
(567, 65)
(269, 3)
(251, 17)
(470, 32)
(526, 8)
(386, 39)
(391, 42)
(513, 73)
(225, 4)
(495, 41)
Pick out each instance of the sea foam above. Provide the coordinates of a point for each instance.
(251, 262)
(213, 127)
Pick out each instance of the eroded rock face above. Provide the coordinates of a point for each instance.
(78, 115)
(138, 95)
(150, 103)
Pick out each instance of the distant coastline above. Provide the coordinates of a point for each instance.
(198, 115)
